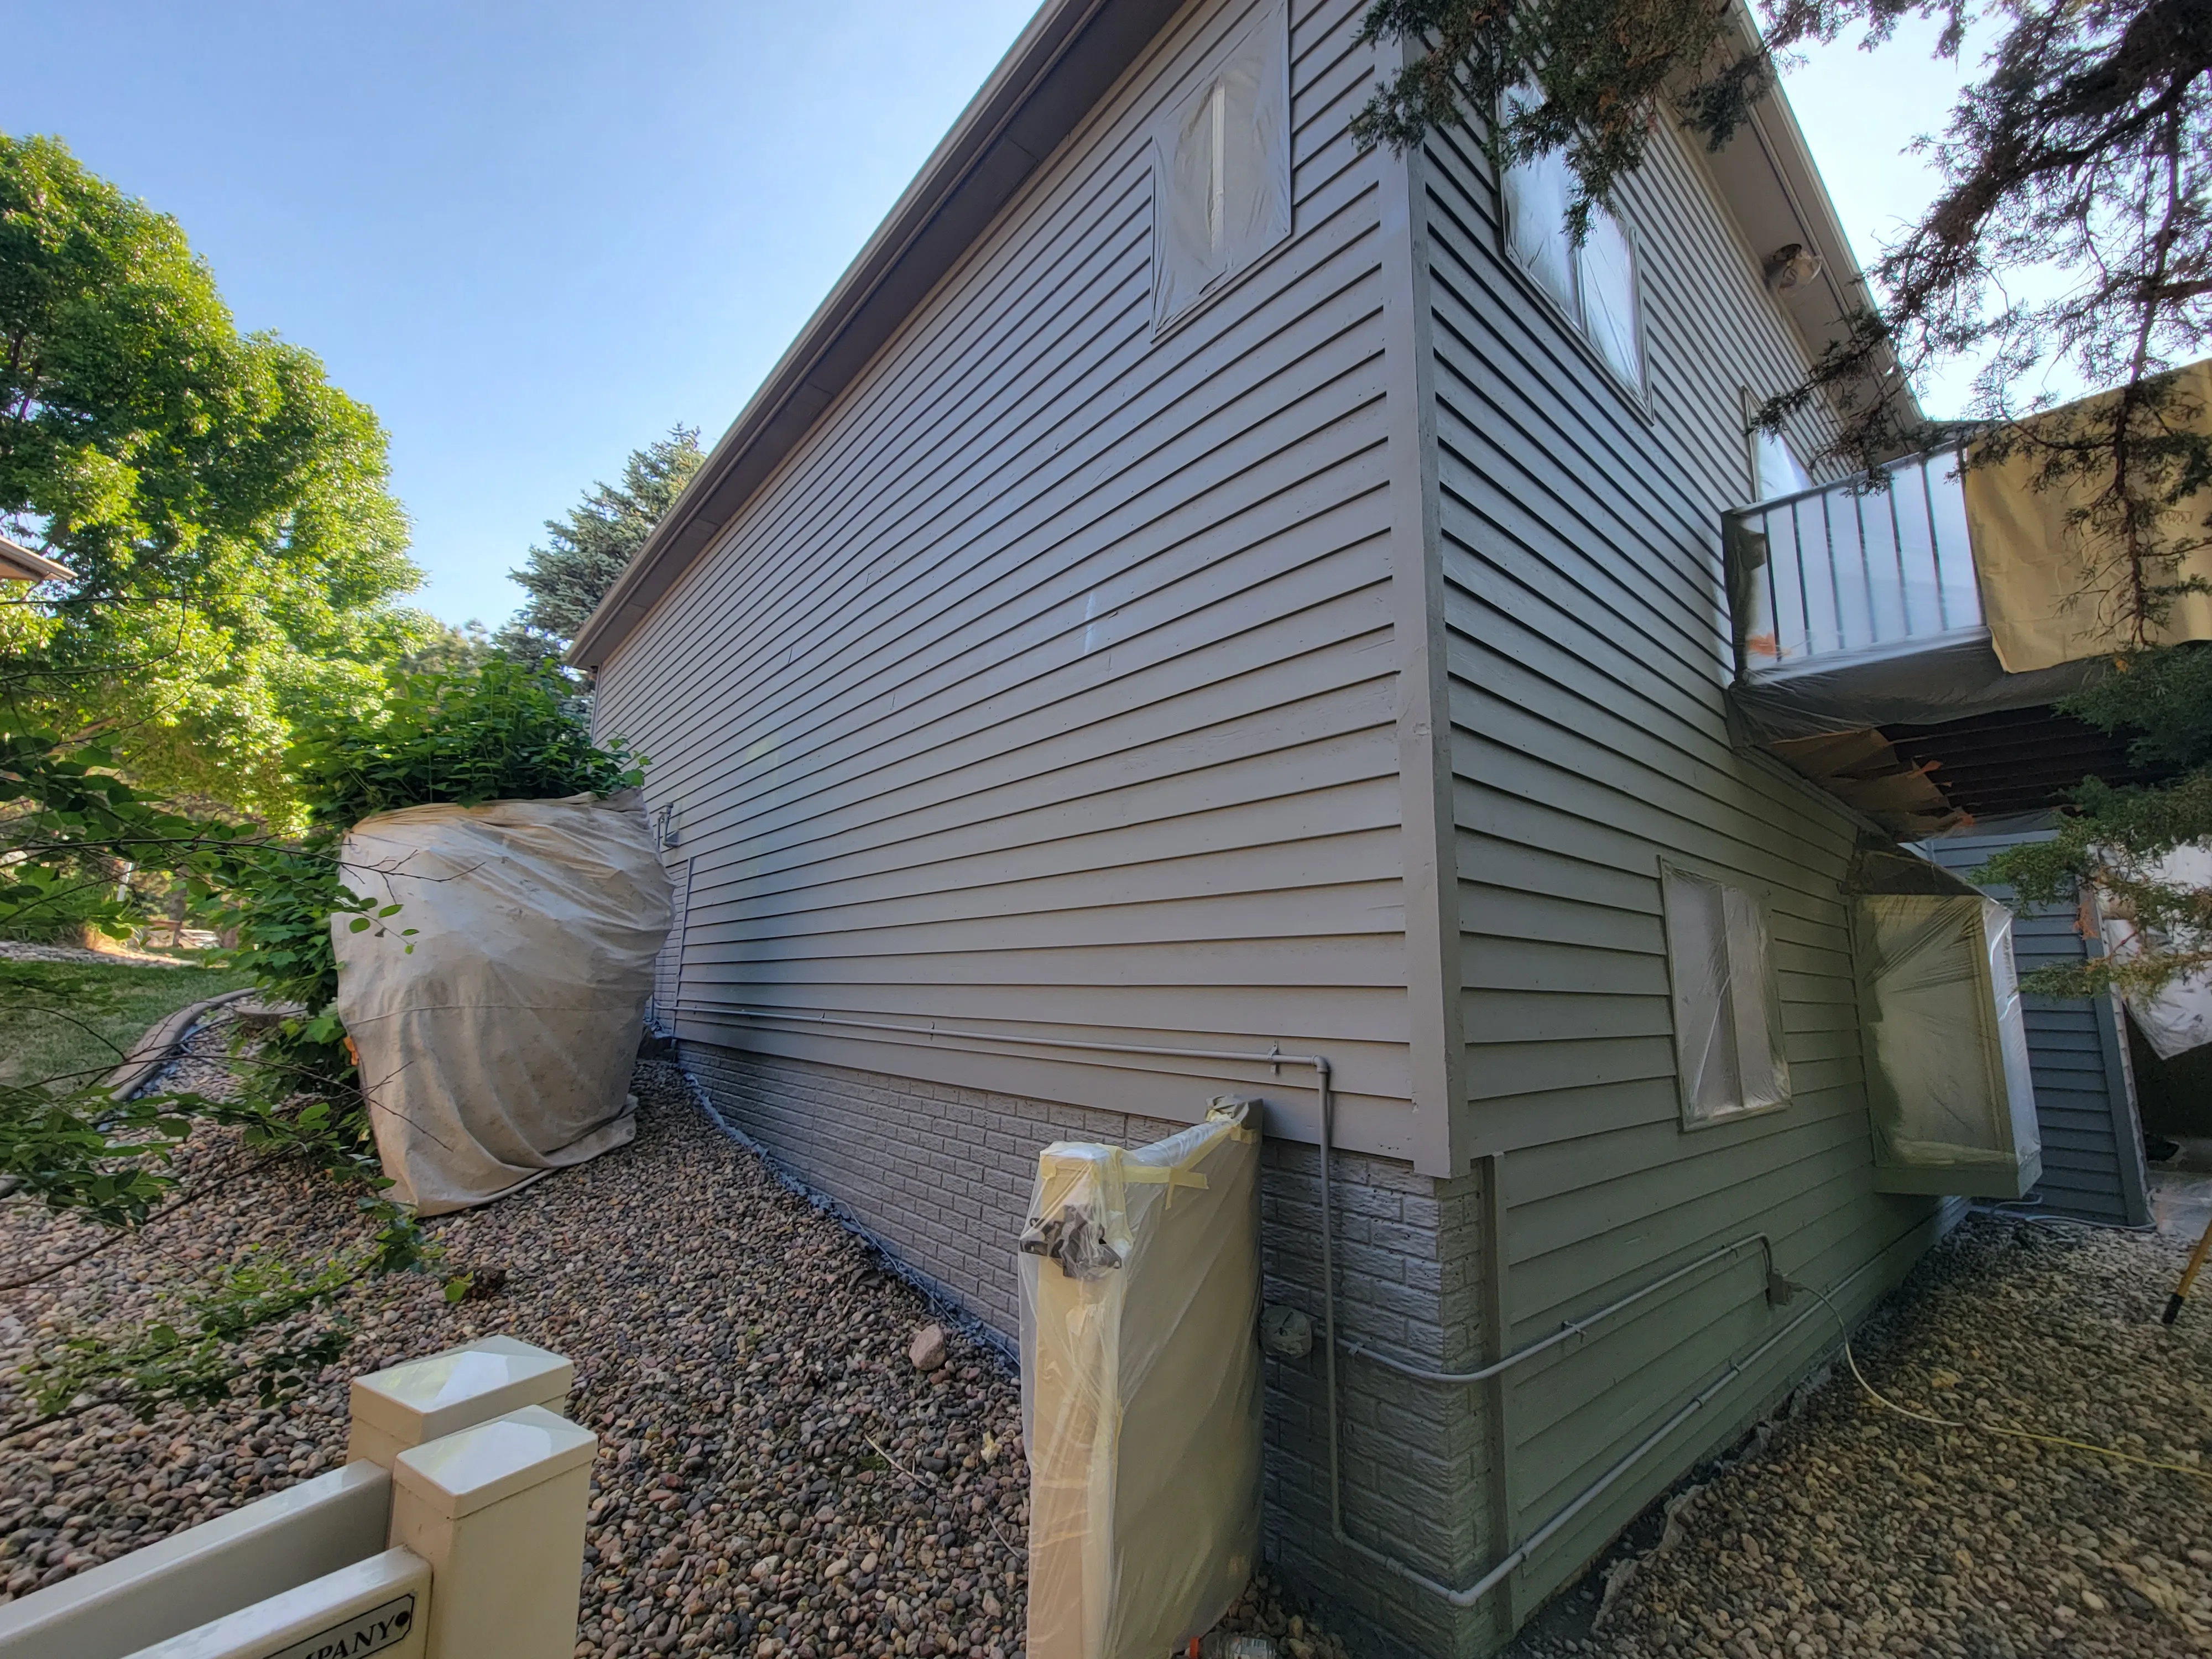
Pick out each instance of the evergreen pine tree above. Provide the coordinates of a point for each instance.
(591, 545)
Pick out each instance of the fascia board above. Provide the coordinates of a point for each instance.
(1065, 60)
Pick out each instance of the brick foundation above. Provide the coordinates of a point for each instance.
(941, 1176)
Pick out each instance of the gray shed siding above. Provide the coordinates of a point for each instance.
(2085, 1106)
(1587, 656)
(1049, 682)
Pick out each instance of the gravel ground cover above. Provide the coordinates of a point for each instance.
(775, 1476)
(1843, 1529)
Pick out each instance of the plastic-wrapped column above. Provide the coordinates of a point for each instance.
(1141, 1388)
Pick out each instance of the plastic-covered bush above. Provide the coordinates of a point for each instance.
(497, 1012)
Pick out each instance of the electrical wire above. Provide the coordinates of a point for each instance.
(1882, 1400)
(2020, 1212)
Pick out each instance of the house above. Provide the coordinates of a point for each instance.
(1203, 610)
(19, 564)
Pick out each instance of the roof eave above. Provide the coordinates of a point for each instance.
(1071, 51)
(1820, 315)
(19, 563)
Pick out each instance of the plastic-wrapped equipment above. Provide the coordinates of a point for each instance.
(1946, 1046)
(2178, 1017)
(500, 1046)
(1141, 1388)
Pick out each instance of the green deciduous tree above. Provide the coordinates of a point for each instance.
(501, 731)
(591, 545)
(222, 507)
(447, 649)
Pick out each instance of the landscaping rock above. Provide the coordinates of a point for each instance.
(927, 1351)
(1846, 1529)
(775, 1477)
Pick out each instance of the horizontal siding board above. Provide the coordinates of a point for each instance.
(1113, 479)
(1587, 653)
(1531, 769)
(1274, 754)
(1748, 1397)
(968, 696)
(1048, 684)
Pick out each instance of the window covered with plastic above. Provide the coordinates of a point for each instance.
(1777, 471)
(1947, 1068)
(1728, 1019)
(1594, 283)
(1221, 171)
(1141, 1388)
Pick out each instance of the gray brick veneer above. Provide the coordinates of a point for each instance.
(941, 1176)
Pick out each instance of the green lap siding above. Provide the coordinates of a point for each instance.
(1584, 636)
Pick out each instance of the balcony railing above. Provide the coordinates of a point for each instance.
(1844, 569)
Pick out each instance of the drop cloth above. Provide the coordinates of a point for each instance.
(499, 1046)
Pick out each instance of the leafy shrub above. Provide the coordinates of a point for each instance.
(506, 732)
(503, 731)
(56, 904)
(498, 732)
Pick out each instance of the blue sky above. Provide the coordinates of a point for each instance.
(535, 236)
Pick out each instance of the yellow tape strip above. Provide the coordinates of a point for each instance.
(1169, 1175)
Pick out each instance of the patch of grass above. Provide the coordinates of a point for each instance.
(70, 1022)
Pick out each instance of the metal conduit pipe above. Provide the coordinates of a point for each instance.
(1272, 1057)
(1573, 1327)
(1504, 1569)
(1589, 1494)
(1323, 1090)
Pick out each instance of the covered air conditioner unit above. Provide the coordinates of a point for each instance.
(1946, 1046)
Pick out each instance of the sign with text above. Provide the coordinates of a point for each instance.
(365, 1633)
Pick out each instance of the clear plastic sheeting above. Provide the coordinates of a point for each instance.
(496, 1041)
(2178, 1017)
(1946, 1046)
(1222, 164)
(1918, 683)
(1728, 1021)
(1141, 1388)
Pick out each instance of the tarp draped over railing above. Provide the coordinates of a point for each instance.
(2054, 587)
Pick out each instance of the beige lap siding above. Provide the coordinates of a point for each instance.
(1587, 653)
(1050, 680)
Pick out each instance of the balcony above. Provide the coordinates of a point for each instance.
(1841, 573)
(1862, 659)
